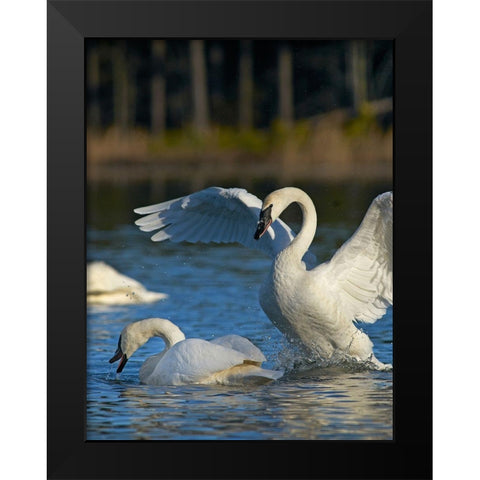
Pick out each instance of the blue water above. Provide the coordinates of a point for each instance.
(213, 291)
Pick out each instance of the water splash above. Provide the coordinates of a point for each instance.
(293, 358)
(112, 373)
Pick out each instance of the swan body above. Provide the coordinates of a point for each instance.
(228, 360)
(316, 306)
(107, 286)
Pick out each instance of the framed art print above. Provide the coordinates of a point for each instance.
(212, 338)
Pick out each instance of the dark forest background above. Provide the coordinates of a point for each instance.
(159, 109)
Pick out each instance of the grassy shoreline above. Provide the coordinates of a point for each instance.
(334, 147)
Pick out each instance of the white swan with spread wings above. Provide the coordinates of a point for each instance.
(316, 305)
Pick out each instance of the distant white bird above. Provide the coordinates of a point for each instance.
(228, 360)
(106, 286)
(316, 305)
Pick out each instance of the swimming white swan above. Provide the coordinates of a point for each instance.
(317, 305)
(107, 286)
(228, 360)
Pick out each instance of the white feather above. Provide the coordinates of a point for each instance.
(359, 275)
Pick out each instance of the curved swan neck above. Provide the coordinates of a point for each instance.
(169, 332)
(302, 241)
(138, 333)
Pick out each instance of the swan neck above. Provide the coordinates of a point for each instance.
(140, 332)
(169, 333)
(305, 236)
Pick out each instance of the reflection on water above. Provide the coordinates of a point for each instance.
(213, 291)
(322, 405)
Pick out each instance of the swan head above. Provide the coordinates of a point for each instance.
(273, 205)
(136, 334)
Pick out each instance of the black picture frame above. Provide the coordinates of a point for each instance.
(409, 454)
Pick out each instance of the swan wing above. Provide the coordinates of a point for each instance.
(215, 214)
(242, 345)
(149, 365)
(359, 275)
(193, 361)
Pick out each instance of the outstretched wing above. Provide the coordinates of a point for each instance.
(222, 215)
(359, 275)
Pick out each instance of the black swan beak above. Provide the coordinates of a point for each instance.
(264, 222)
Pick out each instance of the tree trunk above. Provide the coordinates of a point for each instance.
(358, 73)
(245, 86)
(217, 81)
(199, 85)
(158, 87)
(93, 79)
(121, 94)
(285, 82)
